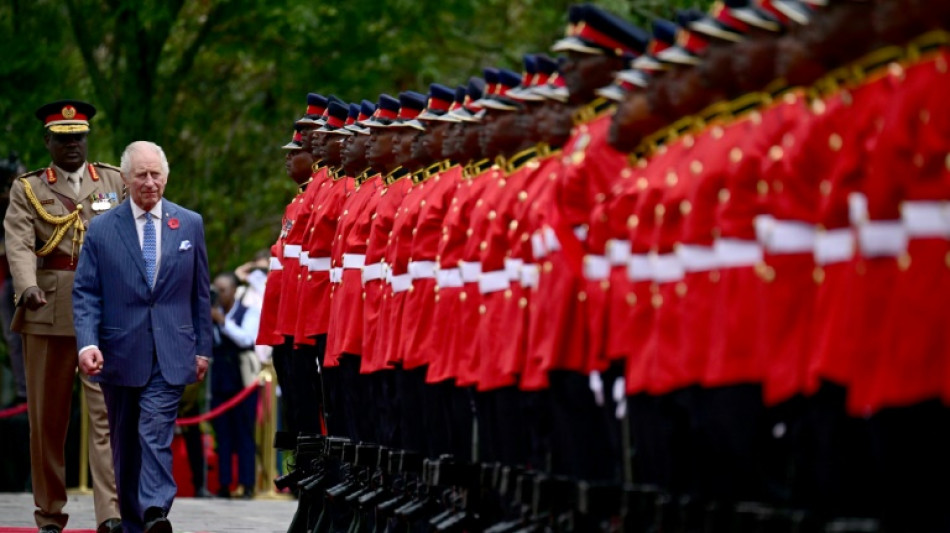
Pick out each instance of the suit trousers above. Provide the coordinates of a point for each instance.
(50, 371)
(142, 420)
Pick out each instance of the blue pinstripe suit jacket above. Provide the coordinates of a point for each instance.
(114, 308)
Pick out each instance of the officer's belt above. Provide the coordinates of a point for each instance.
(57, 262)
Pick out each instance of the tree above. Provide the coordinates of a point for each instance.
(218, 83)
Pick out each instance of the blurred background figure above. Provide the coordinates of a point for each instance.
(235, 330)
(10, 168)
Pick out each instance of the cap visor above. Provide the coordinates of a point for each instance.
(754, 17)
(710, 28)
(795, 11)
(635, 77)
(292, 146)
(611, 92)
(573, 44)
(677, 56)
(498, 105)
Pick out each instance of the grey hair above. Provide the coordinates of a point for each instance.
(125, 163)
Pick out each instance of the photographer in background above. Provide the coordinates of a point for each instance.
(10, 168)
(235, 330)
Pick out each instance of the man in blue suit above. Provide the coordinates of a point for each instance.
(143, 327)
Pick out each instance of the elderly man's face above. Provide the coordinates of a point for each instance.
(146, 181)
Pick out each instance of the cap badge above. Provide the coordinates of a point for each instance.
(69, 112)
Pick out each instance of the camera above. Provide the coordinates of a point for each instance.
(215, 297)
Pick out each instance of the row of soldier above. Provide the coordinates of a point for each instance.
(712, 258)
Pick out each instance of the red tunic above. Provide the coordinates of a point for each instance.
(395, 326)
(419, 316)
(292, 247)
(315, 290)
(374, 287)
(910, 164)
(349, 251)
(453, 297)
(837, 150)
(500, 295)
(467, 340)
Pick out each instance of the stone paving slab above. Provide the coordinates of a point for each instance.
(188, 515)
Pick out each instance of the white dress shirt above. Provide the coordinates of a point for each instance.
(139, 214)
(245, 333)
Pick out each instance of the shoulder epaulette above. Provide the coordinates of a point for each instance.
(748, 102)
(928, 42)
(100, 164)
(876, 61)
(32, 173)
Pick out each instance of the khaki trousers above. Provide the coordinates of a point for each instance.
(50, 370)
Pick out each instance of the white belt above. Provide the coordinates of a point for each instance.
(304, 258)
(667, 268)
(834, 246)
(596, 267)
(451, 277)
(857, 208)
(319, 264)
(422, 269)
(530, 274)
(372, 272)
(470, 271)
(697, 258)
(538, 248)
(737, 252)
(763, 227)
(618, 252)
(639, 268)
(551, 241)
(882, 239)
(513, 268)
(292, 250)
(336, 274)
(494, 281)
(789, 237)
(581, 232)
(926, 219)
(275, 264)
(354, 260)
(401, 283)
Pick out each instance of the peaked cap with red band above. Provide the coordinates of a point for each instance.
(66, 116)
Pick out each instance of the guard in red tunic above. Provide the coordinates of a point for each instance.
(381, 157)
(597, 44)
(344, 338)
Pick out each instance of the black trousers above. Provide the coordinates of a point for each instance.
(282, 357)
(350, 411)
(307, 386)
(581, 436)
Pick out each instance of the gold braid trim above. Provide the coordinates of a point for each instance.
(62, 223)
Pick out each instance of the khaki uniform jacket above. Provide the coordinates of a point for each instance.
(26, 232)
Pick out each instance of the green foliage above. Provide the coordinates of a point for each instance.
(218, 82)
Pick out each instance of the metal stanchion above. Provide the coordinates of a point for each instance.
(83, 487)
(265, 438)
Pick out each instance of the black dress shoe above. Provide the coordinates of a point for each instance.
(50, 529)
(158, 525)
(111, 525)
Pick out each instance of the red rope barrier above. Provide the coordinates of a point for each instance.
(216, 412)
(13, 411)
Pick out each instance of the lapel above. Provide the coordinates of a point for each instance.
(129, 236)
(170, 240)
(87, 188)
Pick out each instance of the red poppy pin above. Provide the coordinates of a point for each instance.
(173, 223)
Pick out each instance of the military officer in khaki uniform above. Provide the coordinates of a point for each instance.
(49, 211)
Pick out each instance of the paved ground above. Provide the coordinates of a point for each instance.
(191, 515)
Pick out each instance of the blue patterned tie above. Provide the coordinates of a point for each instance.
(148, 249)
